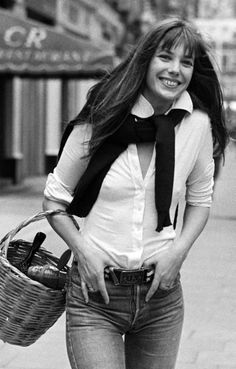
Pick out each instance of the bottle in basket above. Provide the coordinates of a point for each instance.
(48, 275)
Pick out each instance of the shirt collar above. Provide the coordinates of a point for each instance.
(143, 109)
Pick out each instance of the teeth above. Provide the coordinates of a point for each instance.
(170, 83)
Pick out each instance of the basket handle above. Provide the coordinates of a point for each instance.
(5, 241)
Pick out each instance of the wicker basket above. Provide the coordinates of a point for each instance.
(27, 308)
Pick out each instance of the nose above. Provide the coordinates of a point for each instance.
(174, 67)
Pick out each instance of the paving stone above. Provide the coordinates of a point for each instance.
(216, 358)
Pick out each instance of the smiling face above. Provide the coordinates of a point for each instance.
(169, 74)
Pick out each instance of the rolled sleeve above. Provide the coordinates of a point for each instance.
(200, 181)
(56, 190)
(200, 190)
(62, 182)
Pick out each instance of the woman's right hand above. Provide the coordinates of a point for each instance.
(91, 262)
(91, 265)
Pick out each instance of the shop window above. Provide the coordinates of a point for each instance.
(229, 61)
(106, 32)
(39, 17)
(7, 4)
(224, 63)
(87, 18)
(84, 18)
(73, 14)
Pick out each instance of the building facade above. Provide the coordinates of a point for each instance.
(51, 52)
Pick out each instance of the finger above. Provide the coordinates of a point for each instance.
(153, 288)
(90, 288)
(84, 291)
(103, 290)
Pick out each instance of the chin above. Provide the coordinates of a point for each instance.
(169, 97)
(172, 95)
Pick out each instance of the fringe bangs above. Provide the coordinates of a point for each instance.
(193, 43)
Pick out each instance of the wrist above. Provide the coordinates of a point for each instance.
(76, 244)
(182, 248)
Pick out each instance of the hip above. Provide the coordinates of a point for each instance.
(126, 302)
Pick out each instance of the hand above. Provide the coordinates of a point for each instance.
(167, 265)
(91, 264)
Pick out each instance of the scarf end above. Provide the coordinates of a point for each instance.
(163, 221)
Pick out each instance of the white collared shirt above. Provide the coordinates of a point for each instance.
(123, 220)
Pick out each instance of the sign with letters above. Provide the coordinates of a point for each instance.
(30, 47)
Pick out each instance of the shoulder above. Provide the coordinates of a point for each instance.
(198, 117)
(78, 140)
(82, 132)
(198, 121)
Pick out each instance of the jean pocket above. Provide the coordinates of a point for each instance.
(75, 289)
(74, 281)
(174, 285)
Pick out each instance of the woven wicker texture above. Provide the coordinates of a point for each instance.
(27, 308)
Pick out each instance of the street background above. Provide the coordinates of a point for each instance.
(51, 53)
(208, 277)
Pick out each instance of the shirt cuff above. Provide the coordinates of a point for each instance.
(200, 193)
(56, 190)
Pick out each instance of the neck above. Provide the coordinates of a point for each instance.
(161, 110)
(159, 107)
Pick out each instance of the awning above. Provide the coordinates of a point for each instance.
(31, 48)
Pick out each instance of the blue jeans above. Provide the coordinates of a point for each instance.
(128, 333)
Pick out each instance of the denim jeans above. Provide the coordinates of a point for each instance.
(128, 333)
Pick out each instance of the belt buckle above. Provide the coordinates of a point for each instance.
(127, 277)
(131, 277)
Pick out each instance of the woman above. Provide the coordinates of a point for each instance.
(145, 135)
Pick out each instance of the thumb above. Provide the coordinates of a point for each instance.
(149, 263)
(84, 291)
(154, 287)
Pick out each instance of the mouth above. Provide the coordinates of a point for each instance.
(170, 83)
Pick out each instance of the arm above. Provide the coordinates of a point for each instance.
(198, 202)
(195, 219)
(58, 194)
(91, 264)
(169, 262)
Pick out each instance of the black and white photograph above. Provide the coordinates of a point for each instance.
(118, 184)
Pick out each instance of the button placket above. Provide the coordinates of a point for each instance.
(135, 166)
(139, 197)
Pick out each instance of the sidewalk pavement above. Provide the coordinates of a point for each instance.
(208, 278)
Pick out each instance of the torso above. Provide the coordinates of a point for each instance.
(123, 220)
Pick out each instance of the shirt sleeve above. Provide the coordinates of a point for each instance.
(60, 184)
(200, 181)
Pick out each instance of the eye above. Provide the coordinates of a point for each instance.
(187, 62)
(164, 56)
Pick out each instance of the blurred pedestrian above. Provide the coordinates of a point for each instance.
(145, 135)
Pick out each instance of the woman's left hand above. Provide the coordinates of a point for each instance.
(167, 265)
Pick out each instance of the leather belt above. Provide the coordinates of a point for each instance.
(127, 277)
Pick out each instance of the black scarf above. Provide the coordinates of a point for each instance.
(159, 129)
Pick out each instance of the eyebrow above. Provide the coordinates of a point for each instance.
(189, 56)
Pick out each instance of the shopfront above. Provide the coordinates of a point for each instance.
(45, 75)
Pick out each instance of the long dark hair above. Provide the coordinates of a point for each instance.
(111, 99)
